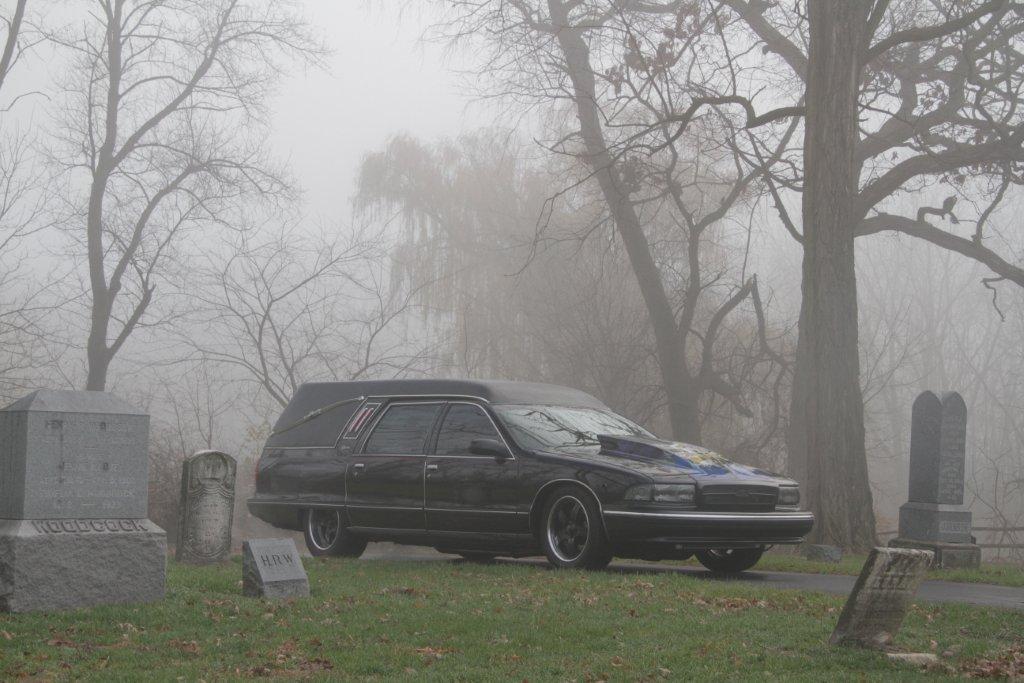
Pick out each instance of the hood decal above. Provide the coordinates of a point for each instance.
(691, 459)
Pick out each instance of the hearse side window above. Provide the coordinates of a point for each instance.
(403, 429)
(461, 425)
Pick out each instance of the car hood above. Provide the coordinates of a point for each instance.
(680, 458)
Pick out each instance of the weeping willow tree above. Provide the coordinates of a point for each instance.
(527, 275)
(513, 300)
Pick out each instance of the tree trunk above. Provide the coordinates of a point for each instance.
(680, 388)
(827, 436)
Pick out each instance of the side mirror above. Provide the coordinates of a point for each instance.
(490, 447)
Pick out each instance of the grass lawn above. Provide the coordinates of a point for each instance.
(380, 620)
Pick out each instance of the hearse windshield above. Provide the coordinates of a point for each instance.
(563, 429)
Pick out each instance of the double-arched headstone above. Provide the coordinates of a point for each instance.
(934, 517)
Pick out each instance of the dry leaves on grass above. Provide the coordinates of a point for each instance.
(434, 652)
(735, 604)
(1008, 664)
(189, 647)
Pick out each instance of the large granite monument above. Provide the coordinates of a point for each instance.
(206, 508)
(73, 496)
(934, 518)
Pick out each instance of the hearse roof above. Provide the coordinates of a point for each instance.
(315, 396)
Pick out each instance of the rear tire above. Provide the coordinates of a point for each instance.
(326, 537)
(572, 532)
(730, 560)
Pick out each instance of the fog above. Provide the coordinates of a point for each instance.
(632, 202)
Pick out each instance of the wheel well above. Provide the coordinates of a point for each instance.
(541, 500)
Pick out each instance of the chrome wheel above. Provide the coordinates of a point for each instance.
(324, 526)
(568, 528)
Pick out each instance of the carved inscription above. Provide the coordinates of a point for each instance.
(879, 601)
(87, 526)
(206, 508)
(271, 568)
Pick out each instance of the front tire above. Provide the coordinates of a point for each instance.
(730, 560)
(326, 537)
(571, 530)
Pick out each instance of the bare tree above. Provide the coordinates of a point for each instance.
(23, 200)
(899, 95)
(282, 307)
(600, 61)
(163, 128)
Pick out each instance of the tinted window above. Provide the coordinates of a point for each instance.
(462, 424)
(403, 430)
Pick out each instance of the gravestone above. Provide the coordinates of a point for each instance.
(272, 568)
(206, 508)
(73, 496)
(881, 596)
(934, 517)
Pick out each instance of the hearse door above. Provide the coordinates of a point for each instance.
(384, 482)
(467, 491)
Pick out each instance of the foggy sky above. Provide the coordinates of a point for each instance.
(382, 80)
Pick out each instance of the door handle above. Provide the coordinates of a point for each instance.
(431, 468)
(357, 468)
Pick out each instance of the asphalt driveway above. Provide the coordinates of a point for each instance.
(934, 591)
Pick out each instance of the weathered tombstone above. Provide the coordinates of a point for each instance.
(934, 517)
(206, 508)
(272, 568)
(73, 496)
(879, 600)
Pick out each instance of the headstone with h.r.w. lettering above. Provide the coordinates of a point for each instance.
(272, 568)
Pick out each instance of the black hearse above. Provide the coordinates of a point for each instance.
(493, 468)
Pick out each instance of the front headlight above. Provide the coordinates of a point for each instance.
(676, 494)
(789, 496)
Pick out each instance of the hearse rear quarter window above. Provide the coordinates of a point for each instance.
(403, 429)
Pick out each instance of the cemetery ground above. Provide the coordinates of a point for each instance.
(382, 620)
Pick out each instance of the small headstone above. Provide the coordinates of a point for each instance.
(934, 517)
(823, 553)
(206, 508)
(272, 568)
(73, 498)
(879, 600)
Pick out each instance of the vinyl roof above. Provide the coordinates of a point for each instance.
(323, 430)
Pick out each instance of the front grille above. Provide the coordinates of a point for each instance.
(737, 498)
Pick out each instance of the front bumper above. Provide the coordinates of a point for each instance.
(696, 529)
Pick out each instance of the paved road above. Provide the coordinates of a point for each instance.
(934, 591)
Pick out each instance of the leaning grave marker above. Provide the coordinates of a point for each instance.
(934, 517)
(73, 497)
(206, 508)
(881, 596)
(272, 568)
